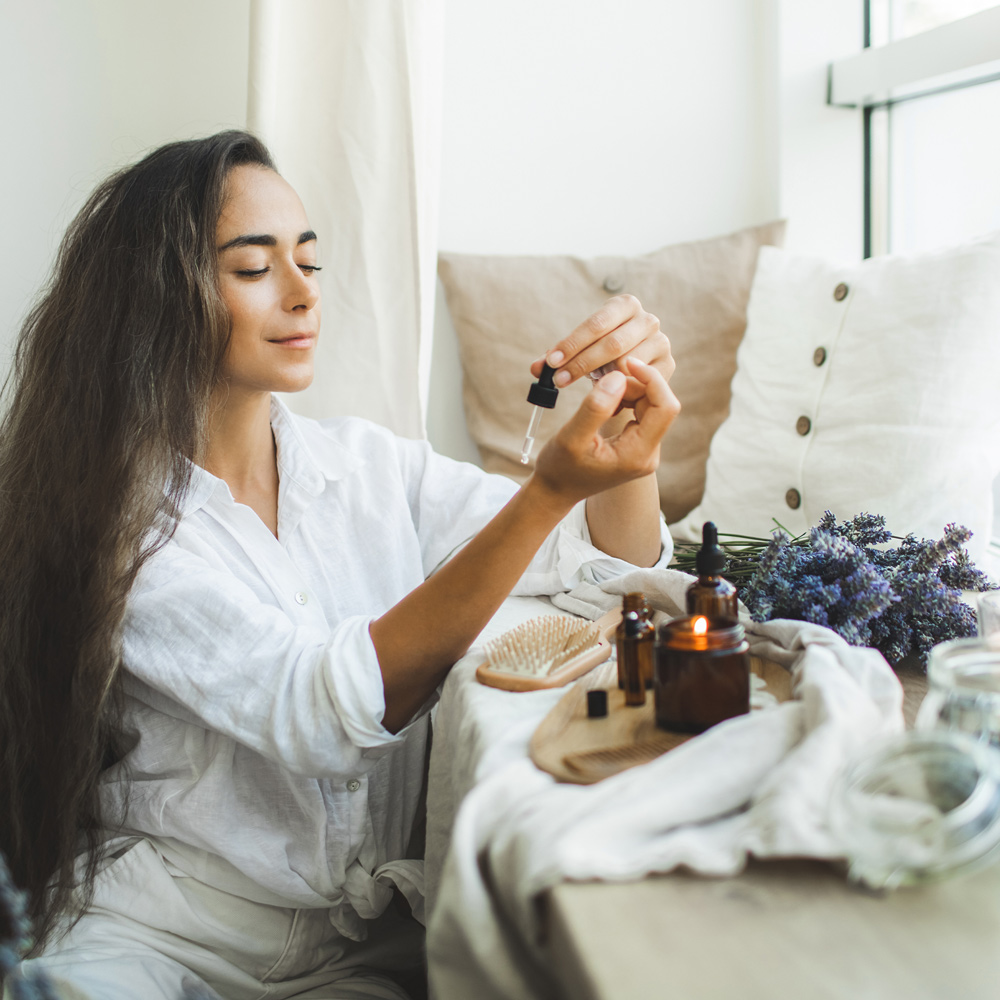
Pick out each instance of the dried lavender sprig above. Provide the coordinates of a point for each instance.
(743, 553)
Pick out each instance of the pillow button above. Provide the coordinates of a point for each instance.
(613, 284)
(819, 356)
(840, 292)
(794, 499)
(803, 425)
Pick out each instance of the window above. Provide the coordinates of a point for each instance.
(890, 20)
(928, 82)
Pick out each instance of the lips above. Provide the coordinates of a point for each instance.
(294, 339)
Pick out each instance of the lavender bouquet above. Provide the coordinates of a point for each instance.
(900, 599)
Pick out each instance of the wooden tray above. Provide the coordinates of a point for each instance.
(576, 749)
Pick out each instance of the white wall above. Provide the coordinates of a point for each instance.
(597, 127)
(820, 167)
(88, 85)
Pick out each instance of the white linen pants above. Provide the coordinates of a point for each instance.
(155, 934)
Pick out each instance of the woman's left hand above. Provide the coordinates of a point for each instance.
(621, 328)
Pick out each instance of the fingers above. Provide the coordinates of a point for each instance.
(619, 328)
(610, 333)
(655, 351)
(579, 462)
(598, 406)
(612, 349)
(660, 405)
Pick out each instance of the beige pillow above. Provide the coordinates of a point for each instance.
(508, 311)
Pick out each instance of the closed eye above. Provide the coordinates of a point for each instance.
(306, 269)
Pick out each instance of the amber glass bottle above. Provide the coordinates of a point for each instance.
(635, 658)
(637, 604)
(712, 595)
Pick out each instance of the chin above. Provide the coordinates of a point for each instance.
(295, 384)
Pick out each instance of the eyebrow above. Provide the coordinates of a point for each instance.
(263, 240)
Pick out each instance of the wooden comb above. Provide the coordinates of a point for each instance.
(593, 765)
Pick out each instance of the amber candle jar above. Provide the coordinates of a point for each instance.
(702, 673)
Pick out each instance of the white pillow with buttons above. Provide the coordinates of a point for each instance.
(873, 387)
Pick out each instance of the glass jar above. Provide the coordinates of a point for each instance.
(918, 807)
(702, 673)
(988, 616)
(963, 689)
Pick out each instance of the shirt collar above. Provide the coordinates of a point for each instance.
(306, 452)
(307, 455)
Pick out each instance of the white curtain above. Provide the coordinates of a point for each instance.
(347, 95)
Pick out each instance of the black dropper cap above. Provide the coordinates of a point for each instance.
(543, 392)
(597, 704)
(710, 560)
(634, 626)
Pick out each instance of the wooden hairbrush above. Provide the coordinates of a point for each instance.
(547, 652)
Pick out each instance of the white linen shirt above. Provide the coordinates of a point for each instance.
(262, 766)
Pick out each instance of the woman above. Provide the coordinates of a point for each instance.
(223, 624)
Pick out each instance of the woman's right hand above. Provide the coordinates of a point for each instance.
(578, 462)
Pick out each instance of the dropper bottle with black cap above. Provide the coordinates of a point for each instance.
(712, 595)
(542, 394)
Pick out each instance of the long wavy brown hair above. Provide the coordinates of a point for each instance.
(108, 401)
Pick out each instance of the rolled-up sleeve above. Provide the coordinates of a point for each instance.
(219, 657)
(569, 557)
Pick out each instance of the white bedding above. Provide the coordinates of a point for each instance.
(500, 831)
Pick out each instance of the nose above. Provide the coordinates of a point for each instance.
(301, 290)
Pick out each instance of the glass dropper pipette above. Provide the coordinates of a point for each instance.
(542, 395)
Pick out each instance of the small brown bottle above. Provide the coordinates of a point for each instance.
(635, 657)
(712, 595)
(637, 604)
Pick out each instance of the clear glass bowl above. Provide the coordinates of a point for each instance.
(963, 689)
(919, 807)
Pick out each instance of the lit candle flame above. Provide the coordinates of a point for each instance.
(699, 626)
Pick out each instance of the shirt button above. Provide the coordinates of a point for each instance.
(353, 785)
(803, 425)
(819, 356)
(794, 499)
(840, 292)
(301, 597)
(613, 284)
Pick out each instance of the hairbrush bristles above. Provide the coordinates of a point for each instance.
(541, 646)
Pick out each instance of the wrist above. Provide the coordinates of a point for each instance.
(546, 500)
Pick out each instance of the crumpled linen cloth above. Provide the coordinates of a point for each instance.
(501, 832)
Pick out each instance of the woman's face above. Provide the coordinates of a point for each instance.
(267, 265)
